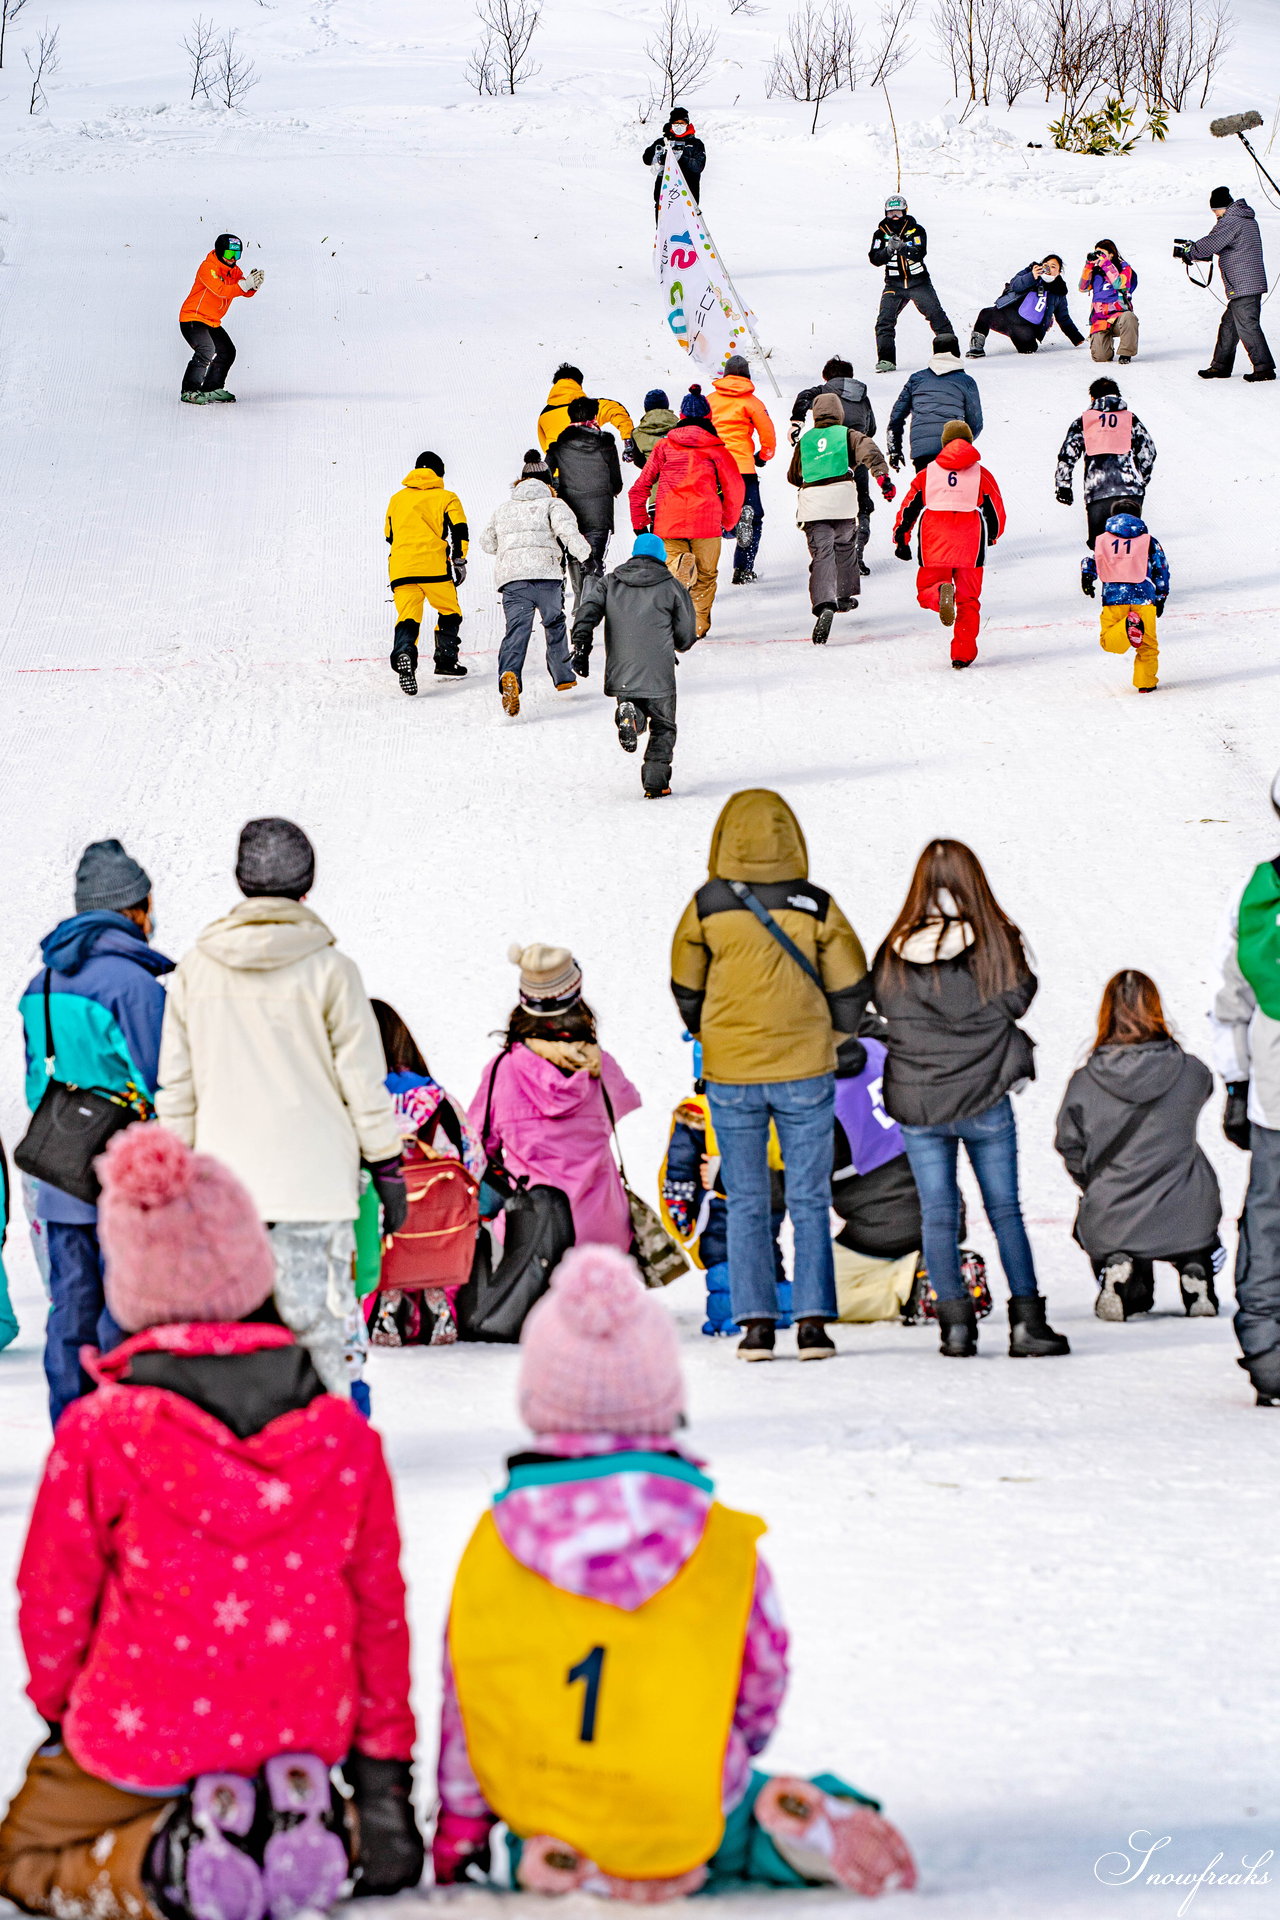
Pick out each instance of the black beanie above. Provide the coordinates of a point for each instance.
(1220, 197)
(432, 462)
(275, 859)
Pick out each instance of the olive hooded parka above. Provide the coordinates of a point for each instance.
(759, 1016)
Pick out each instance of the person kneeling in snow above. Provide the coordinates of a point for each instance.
(210, 1599)
(648, 620)
(1131, 564)
(615, 1658)
(959, 508)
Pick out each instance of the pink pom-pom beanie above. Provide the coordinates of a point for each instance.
(599, 1355)
(180, 1236)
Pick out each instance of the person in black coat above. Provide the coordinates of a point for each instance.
(952, 981)
(648, 619)
(587, 475)
(1031, 302)
(899, 245)
(1127, 1133)
(678, 137)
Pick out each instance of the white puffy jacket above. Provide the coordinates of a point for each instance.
(528, 533)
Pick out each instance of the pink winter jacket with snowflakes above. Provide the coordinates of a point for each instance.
(190, 1601)
(620, 1539)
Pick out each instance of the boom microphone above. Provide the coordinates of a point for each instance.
(1234, 123)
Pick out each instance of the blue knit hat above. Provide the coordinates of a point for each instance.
(694, 405)
(648, 546)
(655, 398)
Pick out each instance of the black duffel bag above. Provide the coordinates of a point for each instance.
(70, 1127)
(539, 1232)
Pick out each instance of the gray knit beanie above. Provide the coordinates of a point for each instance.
(108, 879)
(275, 859)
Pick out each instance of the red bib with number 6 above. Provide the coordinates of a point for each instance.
(949, 490)
(1122, 560)
(1110, 432)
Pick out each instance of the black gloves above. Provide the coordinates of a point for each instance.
(388, 1178)
(1160, 606)
(1235, 1119)
(895, 458)
(581, 664)
(903, 553)
(1064, 496)
(390, 1852)
(797, 427)
(1087, 584)
(459, 572)
(760, 460)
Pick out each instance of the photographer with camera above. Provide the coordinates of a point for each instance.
(1238, 245)
(1109, 281)
(1032, 301)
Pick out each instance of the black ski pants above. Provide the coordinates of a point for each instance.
(597, 538)
(1009, 322)
(1242, 326)
(659, 753)
(921, 295)
(212, 351)
(1100, 511)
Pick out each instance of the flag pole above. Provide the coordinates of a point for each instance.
(742, 309)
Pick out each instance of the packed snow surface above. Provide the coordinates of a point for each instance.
(1033, 1608)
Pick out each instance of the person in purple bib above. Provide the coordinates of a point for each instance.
(1029, 306)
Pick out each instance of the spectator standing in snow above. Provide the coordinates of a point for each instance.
(566, 386)
(837, 378)
(823, 467)
(742, 421)
(271, 1059)
(1245, 1021)
(1133, 569)
(1031, 302)
(764, 966)
(426, 530)
(952, 980)
(105, 1010)
(1119, 457)
(1237, 244)
(1109, 281)
(678, 137)
(899, 245)
(211, 1575)
(1127, 1134)
(697, 493)
(217, 283)
(959, 509)
(544, 1103)
(648, 619)
(939, 393)
(586, 473)
(529, 535)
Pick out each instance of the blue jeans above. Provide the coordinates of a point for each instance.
(804, 1114)
(991, 1141)
(1257, 1319)
(78, 1315)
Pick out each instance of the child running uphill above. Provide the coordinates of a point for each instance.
(1131, 564)
(958, 507)
(615, 1658)
(698, 500)
(530, 534)
(648, 622)
(825, 468)
(426, 531)
(210, 1598)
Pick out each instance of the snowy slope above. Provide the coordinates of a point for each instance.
(1008, 1593)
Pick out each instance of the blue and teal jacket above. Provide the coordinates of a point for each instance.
(106, 1005)
(1153, 591)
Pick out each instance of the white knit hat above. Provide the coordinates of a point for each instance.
(550, 979)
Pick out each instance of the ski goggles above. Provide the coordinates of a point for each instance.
(232, 253)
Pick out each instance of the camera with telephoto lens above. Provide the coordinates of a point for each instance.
(1182, 249)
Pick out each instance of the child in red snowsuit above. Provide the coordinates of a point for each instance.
(958, 506)
(210, 1599)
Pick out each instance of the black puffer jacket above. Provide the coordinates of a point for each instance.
(951, 1053)
(1157, 1195)
(648, 619)
(587, 475)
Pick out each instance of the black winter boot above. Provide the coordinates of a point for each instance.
(448, 640)
(977, 346)
(1030, 1335)
(757, 1340)
(1198, 1294)
(813, 1342)
(958, 1325)
(404, 654)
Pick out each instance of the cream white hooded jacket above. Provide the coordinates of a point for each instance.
(270, 1060)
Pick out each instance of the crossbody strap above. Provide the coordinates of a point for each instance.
(488, 1104)
(613, 1128)
(49, 1055)
(776, 932)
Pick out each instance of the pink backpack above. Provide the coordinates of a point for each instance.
(1110, 432)
(949, 490)
(1122, 560)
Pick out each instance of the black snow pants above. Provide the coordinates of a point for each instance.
(923, 295)
(212, 352)
(659, 753)
(1242, 325)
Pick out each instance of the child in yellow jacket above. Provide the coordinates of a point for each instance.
(426, 530)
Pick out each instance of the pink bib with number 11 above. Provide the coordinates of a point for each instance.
(1122, 560)
(946, 490)
(1108, 432)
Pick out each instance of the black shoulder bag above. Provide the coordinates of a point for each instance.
(776, 932)
(70, 1127)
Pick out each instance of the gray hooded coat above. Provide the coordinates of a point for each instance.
(648, 619)
(1158, 1195)
(1238, 244)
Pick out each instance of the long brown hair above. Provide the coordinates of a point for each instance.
(997, 957)
(403, 1054)
(575, 1023)
(1132, 1012)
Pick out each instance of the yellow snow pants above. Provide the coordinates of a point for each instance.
(440, 595)
(1114, 638)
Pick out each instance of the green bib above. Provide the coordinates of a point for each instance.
(824, 454)
(1258, 942)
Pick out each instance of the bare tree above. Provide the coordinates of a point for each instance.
(1179, 46)
(975, 37)
(746, 7)
(43, 66)
(680, 51)
(893, 49)
(233, 73)
(817, 58)
(9, 9)
(501, 63)
(200, 48)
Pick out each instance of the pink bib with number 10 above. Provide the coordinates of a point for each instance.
(1108, 432)
(1122, 560)
(948, 491)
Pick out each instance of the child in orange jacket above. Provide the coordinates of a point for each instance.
(742, 421)
(217, 283)
(958, 507)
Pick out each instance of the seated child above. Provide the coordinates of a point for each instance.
(615, 1657)
(1131, 564)
(210, 1599)
(695, 1210)
(873, 1191)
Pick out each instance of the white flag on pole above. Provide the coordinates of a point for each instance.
(699, 307)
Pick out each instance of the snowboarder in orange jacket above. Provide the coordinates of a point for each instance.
(218, 282)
